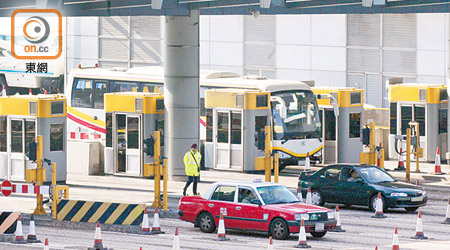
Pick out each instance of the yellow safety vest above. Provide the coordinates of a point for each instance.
(191, 167)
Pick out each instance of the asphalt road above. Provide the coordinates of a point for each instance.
(362, 232)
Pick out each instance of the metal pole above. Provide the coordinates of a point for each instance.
(40, 176)
(165, 176)
(408, 152)
(276, 168)
(373, 155)
(55, 191)
(156, 165)
(268, 160)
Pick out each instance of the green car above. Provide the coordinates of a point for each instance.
(359, 185)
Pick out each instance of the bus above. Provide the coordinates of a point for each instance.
(295, 120)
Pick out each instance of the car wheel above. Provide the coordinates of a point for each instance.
(206, 222)
(317, 198)
(411, 209)
(373, 203)
(279, 229)
(318, 234)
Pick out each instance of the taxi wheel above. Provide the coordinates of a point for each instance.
(318, 234)
(373, 203)
(279, 229)
(206, 222)
(317, 198)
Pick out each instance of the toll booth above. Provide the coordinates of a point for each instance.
(22, 119)
(131, 117)
(233, 116)
(341, 111)
(422, 103)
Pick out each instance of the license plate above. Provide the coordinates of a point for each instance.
(417, 199)
(320, 227)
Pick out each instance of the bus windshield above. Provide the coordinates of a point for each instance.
(295, 115)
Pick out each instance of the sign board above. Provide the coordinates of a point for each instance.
(6, 188)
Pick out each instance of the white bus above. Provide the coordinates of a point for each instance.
(294, 106)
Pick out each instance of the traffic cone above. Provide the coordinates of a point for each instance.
(19, 232)
(338, 227)
(156, 228)
(379, 208)
(32, 234)
(299, 194)
(176, 241)
(302, 237)
(395, 245)
(30, 92)
(401, 164)
(221, 236)
(98, 245)
(4, 90)
(308, 196)
(417, 183)
(270, 247)
(437, 162)
(307, 162)
(145, 224)
(376, 248)
(447, 214)
(419, 228)
(46, 244)
(379, 157)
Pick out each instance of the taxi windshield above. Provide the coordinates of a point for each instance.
(375, 175)
(276, 195)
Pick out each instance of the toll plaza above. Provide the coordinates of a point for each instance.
(422, 104)
(22, 119)
(131, 118)
(235, 121)
(341, 111)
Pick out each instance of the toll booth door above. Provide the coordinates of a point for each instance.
(329, 135)
(20, 132)
(133, 149)
(228, 140)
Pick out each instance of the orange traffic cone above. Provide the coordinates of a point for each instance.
(32, 234)
(302, 237)
(30, 92)
(447, 214)
(437, 162)
(401, 164)
(376, 248)
(45, 92)
(307, 162)
(176, 241)
(338, 227)
(379, 207)
(19, 232)
(46, 244)
(395, 245)
(270, 247)
(4, 90)
(98, 244)
(145, 224)
(156, 228)
(308, 196)
(299, 194)
(221, 235)
(419, 228)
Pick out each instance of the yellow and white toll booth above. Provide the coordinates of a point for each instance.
(233, 116)
(22, 119)
(131, 117)
(341, 112)
(422, 103)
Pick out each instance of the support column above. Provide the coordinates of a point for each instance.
(181, 90)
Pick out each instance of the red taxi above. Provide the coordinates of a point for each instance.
(255, 206)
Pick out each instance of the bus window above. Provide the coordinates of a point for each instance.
(124, 86)
(82, 93)
(146, 88)
(99, 92)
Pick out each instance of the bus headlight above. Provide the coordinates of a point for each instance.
(283, 155)
(299, 217)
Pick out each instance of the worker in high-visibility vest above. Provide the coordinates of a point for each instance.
(192, 167)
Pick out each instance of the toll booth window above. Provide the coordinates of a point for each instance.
(443, 95)
(99, 93)
(355, 98)
(419, 116)
(222, 127)
(159, 104)
(224, 193)
(443, 121)
(56, 137)
(82, 92)
(109, 129)
(30, 131)
(133, 132)
(3, 133)
(406, 113)
(202, 107)
(16, 136)
(57, 108)
(262, 101)
(393, 118)
(236, 121)
(355, 125)
(209, 125)
(330, 125)
(159, 126)
(124, 87)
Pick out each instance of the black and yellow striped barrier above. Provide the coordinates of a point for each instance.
(103, 212)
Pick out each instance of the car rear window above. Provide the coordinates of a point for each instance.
(224, 193)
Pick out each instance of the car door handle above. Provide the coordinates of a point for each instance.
(210, 205)
(238, 208)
